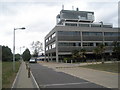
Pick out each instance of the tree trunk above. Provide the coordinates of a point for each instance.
(102, 55)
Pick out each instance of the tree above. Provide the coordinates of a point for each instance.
(65, 60)
(26, 55)
(35, 54)
(37, 48)
(6, 54)
(17, 57)
(75, 54)
(82, 54)
(100, 49)
(116, 49)
(96, 51)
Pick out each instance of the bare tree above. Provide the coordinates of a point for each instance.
(37, 48)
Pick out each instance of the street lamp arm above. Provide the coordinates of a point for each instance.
(19, 28)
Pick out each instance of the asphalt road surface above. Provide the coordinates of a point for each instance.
(48, 78)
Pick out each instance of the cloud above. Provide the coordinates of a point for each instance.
(39, 17)
(104, 11)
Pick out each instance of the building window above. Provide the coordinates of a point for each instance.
(79, 44)
(46, 40)
(87, 44)
(95, 25)
(84, 25)
(92, 33)
(49, 38)
(53, 45)
(90, 16)
(97, 44)
(111, 33)
(49, 47)
(108, 44)
(107, 26)
(66, 44)
(69, 33)
(70, 24)
(53, 35)
(46, 48)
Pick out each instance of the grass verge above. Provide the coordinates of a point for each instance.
(8, 75)
(109, 67)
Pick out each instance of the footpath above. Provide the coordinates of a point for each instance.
(22, 80)
(106, 79)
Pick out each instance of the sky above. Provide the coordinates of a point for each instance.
(39, 18)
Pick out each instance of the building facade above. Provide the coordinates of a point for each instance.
(76, 30)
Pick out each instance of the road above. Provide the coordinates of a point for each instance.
(49, 78)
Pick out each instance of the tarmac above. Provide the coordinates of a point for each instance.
(106, 79)
(103, 78)
(22, 80)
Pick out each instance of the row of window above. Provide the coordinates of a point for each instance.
(53, 45)
(69, 44)
(88, 25)
(92, 33)
(76, 44)
(78, 33)
(49, 38)
(84, 44)
(69, 33)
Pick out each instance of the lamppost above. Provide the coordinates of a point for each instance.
(20, 52)
(14, 45)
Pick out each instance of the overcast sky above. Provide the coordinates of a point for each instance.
(39, 17)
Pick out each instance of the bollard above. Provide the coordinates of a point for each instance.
(28, 72)
(26, 65)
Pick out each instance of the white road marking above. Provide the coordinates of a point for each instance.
(34, 80)
(64, 84)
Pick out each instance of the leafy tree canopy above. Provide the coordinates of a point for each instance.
(26, 55)
(17, 57)
(116, 48)
(6, 54)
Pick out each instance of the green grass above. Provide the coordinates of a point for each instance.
(110, 67)
(8, 75)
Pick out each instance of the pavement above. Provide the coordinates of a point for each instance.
(22, 80)
(106, 79)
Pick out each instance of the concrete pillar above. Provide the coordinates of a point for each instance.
(57, 57)
(103, 38)
(94, 44)
(48, 57)
(81, 39)
(57, 47)
(71, 61)
(51, 56)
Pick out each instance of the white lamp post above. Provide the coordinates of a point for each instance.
(14, 45)
(20, 52)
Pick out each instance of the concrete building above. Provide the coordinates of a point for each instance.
(75, 30)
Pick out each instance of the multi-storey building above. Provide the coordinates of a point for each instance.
(76, 30)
